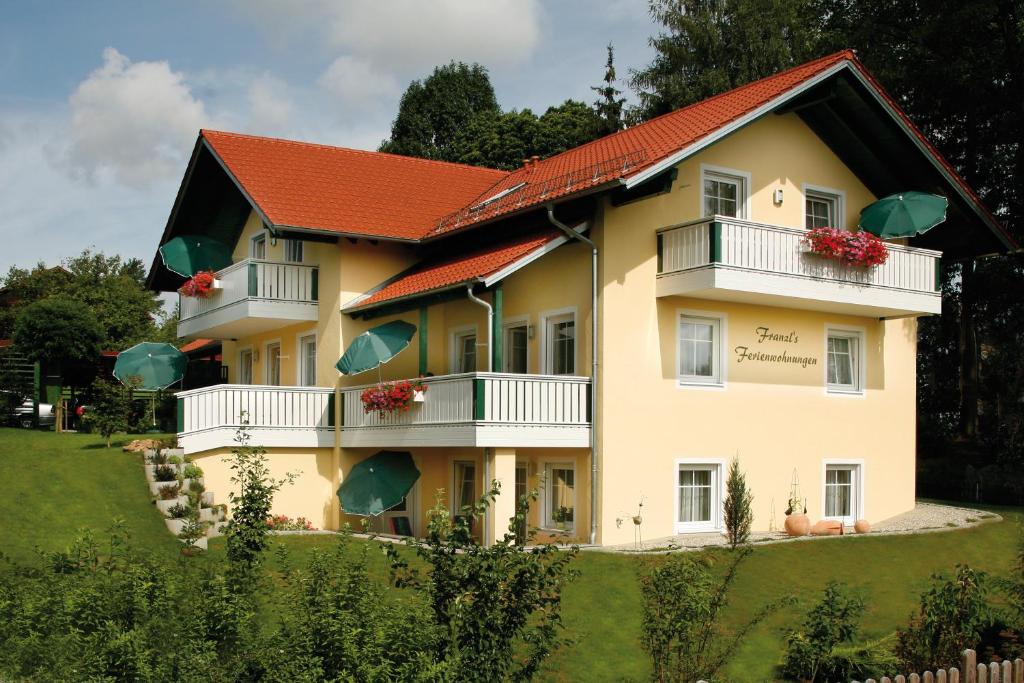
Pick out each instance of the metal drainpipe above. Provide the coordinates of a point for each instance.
(490, 322)
(573, 235)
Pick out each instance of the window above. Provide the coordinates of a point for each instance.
(822, 209)
(273, 364)
(464, 351)
(698, 498)
(293, 251)
(842, 492)
(245, 366)
(700, 350)
(724, 194)
(515, 350)
(843, 361)
(307, 361)
(258, 247)
(560, 342)
(560, 496)
(464, 485)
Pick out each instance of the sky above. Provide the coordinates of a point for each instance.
(101, 102)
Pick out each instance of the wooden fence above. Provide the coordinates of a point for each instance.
(970, 672)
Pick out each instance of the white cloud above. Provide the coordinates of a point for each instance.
(135, 120)
(357, 83)
(270, 106)
(410, 36)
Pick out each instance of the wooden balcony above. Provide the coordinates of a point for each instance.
(478, 409)
(254, 296)
(300, 417)
(727, 259)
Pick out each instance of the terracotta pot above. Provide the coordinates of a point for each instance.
(827, 527)
(862, 526)
(798, 524)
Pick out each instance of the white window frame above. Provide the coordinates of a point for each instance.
(252, 365)
(294, 244)
(253, 241)
(830, 194)
(300, 357)
(453, 503)
(455, 355)
(857, 498)
(860, 360)
(506, 325)
(545, 346)
(718, 381)
(717, 468)
(266, 362)
(742, 178)
(546, 521)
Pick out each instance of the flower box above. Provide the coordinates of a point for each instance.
(165, 505)
(850, 248)
(392, 397)
(202, 285)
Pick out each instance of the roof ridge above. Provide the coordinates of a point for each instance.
(846, 53)
(203, 132)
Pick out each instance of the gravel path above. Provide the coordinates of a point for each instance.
(925, 517)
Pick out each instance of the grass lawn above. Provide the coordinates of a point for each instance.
(56, 484)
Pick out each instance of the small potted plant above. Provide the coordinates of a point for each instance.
(193, 535)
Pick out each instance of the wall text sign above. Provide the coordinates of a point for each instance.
(783, 357)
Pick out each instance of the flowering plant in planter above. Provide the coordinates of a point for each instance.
(201, 285)
(852, 248)
(391, 397)
(286, 523)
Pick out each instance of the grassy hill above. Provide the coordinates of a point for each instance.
(55, 484)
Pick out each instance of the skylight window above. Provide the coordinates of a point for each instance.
(490, 200)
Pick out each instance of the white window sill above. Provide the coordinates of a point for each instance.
(696, 384)
(684, 528)
(849, 393)
(556, 530)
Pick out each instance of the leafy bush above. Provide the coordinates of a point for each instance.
(164, 473)
(169, 492)
(286, 523)
(57, 330)
(823, 649)
(681, 629)
(191, 471)
(494, 612)
(953, 615)
(738, 514)
(178, 511)
(174, 460)
(111, 408)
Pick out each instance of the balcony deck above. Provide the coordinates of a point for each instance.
(727, 259)
(478, 409)
(471, 409)
(254, 296)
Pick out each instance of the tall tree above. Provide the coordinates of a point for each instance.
(710, 46)
(434, 110)
(609, 104)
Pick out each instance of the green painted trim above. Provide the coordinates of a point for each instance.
(590, 406)
(496, 332)
(938, 275)
(253, 280)
(661, 252)
(314, 286)
(37, 387)
(330, 410)
(181, 415)
(479, 398)
(715, 241)
(422, 332)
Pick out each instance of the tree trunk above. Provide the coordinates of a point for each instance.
(969, 362)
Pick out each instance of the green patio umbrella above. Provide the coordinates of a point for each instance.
(378, 483)
(904, 214)
(375, 347)
(187, 255)
(157, 365)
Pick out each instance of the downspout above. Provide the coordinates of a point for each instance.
(490, 322)
(573, 235)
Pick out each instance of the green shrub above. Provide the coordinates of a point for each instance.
(178, 511)
(191, 471)
(823, 649)
(164, 473)
(174, 460)
(168, 492)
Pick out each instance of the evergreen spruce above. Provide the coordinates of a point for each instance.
(738, 515)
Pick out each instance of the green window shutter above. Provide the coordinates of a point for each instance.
(938, 275)
(422, 332)
(661, 252)
(253, 280)
(314, 286)
(496, 332)
(715, 242)
(330, 410)
(479, 398)
(181, 415)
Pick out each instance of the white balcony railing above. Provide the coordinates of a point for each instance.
(274, 416)
(774, 249)
(255, 280)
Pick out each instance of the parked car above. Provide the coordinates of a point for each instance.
(23, 415)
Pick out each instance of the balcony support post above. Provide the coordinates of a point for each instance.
(500, 467)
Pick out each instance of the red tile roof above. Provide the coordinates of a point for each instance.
(449, 271)
(343, 190)
(196, 344)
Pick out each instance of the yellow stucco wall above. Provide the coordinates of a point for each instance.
(774, 417)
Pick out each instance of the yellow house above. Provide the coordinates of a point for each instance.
(610, 326)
